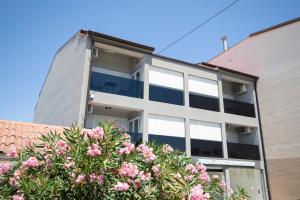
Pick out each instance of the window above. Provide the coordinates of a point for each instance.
(203, 93)
(167, 130)
(166, 86)
(206, 139)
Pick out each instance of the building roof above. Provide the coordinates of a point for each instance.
(275, 26)
(19, 134)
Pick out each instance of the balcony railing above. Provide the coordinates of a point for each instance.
(204, 102)
(177, 143)
(206, 148)
(243, 151)
(165, 95)
(136, 138)
(239, 108)
(116, 85)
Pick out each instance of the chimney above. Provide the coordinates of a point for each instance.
(225, 45)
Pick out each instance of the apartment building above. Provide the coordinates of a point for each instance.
(210, 113)
(273, 54)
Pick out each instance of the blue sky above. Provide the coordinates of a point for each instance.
(31, 31)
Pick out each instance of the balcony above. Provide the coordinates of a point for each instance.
(107, 83)
(177, 143)
(239, 108)
(165, 95)
(206, 148)
(243, 151)
(204, 102)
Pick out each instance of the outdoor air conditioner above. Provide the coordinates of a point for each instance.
(95, 51)
(90, 108)
(245, 130)
(240, 89)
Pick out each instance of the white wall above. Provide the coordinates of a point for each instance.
(62, 99)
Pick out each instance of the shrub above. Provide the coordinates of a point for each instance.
(104, 164)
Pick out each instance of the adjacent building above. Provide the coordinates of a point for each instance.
(211, 113)
(273, 54)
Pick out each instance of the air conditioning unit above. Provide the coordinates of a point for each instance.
(95, 51)
(90, 108)
(240, 89)
(245, 130)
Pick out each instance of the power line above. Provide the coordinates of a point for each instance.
(197, 27)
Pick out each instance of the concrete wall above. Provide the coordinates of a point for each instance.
(274, 57)
(62, 99)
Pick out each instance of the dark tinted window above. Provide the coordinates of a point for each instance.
(175, 142)
(116, 85)
(136, 138)
(239, 108)
(165, 95)
(204, 102)
(243, 151)
(206, 148)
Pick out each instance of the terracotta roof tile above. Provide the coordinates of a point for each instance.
(13, 133)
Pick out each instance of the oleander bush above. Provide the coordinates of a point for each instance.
(103, 163)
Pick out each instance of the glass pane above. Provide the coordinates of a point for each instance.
(176, 142)
(243, 151)
(136, 125)
(250, 179)
(130, 128)
(239, 108)
(165, 95)
(116, 85)
(206, 148)
(204, 102)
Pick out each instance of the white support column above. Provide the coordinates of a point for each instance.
(146, 77)
(186, 90)
(145, 126)
(221, 101)
(187, 137)
(227, 179)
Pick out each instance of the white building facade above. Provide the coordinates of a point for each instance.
(211, 114)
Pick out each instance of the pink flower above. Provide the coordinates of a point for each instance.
(17, 174)
(4, 168)
(94, 150)
(62, 147)
(144, 176)
(197, 193)
(189, 178)
(12, 153)
(32, 162)
(12, 182)
(191, 168)
(18, 197)
(80, 179)
(147, 153)
(97, 133)
(167, 148)
(68, 165)
(204, 176)
(128, 170)
(121, 187)
(155, 170)
(94, 178)
(200, 167)
(215, 176)
(128, 147)
(126, 136)
(222, 184)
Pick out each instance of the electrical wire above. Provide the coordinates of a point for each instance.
(199, 26)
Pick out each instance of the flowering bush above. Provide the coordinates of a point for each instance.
(104, 164)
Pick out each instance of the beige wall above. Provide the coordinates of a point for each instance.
(275, 57)
(62, 100)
